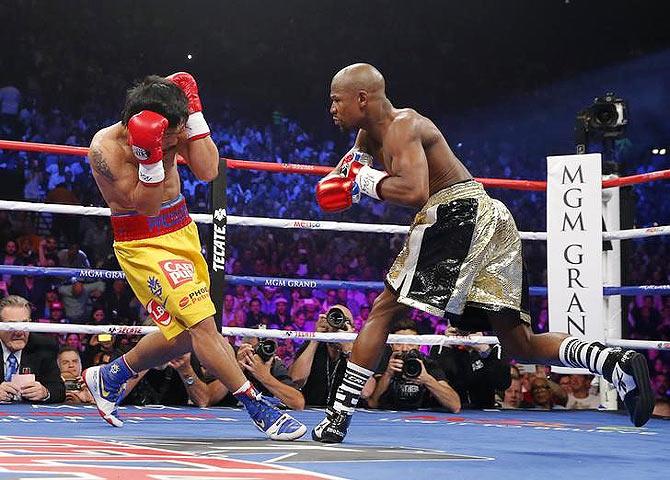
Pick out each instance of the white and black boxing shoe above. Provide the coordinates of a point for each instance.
(630, 377)
(333, 428)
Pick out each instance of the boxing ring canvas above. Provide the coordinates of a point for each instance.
(157, 442)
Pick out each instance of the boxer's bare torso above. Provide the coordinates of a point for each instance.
(406, 125)
(115, 168)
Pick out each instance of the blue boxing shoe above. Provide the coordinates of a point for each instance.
(267, 417)
(107, 384)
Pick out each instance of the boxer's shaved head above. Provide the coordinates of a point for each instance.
(359, 76)
(354, 91)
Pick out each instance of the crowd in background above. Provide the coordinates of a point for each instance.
(83, 242)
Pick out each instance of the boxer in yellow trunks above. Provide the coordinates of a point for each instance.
(167, 270)
(157, 245)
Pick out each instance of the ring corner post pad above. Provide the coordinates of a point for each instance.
(217, 247)
(574, 247)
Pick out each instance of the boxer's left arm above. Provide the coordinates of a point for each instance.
(407, 182)
(199, 152)
(202, 157)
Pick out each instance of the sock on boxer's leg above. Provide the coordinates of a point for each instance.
(246, 393)
(592, 355)
(117, 372)
(349, 392)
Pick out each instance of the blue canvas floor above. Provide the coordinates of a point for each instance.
(60, 441)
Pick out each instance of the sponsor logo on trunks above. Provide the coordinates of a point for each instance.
(167, 219)
(198, 295)
(158, 313)
(177, 272)
(194, 297)
(155, 287)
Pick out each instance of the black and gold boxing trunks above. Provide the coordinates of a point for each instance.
(463, 250)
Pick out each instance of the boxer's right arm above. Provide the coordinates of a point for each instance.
(408, 180)
(145, 136)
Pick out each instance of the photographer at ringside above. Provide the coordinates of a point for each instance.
(476, 372)
(264, 369)
(319, 367)
(410, 380)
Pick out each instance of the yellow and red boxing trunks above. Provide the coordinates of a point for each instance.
(161, 257)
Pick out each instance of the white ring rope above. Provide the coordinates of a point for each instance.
(317, 225)
(304, 224)
(244, 332)
(339, 337)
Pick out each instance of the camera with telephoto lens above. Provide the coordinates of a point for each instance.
(266, 349)
(411, 363)
(336, 318)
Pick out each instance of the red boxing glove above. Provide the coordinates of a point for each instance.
(337, 193)
(196, 126)
(145, 136)
(186, 83)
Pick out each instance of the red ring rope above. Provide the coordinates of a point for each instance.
(536, 185)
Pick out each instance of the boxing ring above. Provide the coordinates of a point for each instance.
(63, 441)
(66, 441)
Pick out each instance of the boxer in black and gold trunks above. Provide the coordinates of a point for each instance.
(157, 245)
(462, 257)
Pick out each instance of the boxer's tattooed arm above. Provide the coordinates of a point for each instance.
(98, 163)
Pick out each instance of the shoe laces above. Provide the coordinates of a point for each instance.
(337, 419)
(266, 407)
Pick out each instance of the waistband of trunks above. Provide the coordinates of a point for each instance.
(465, 189)
(133, 226)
